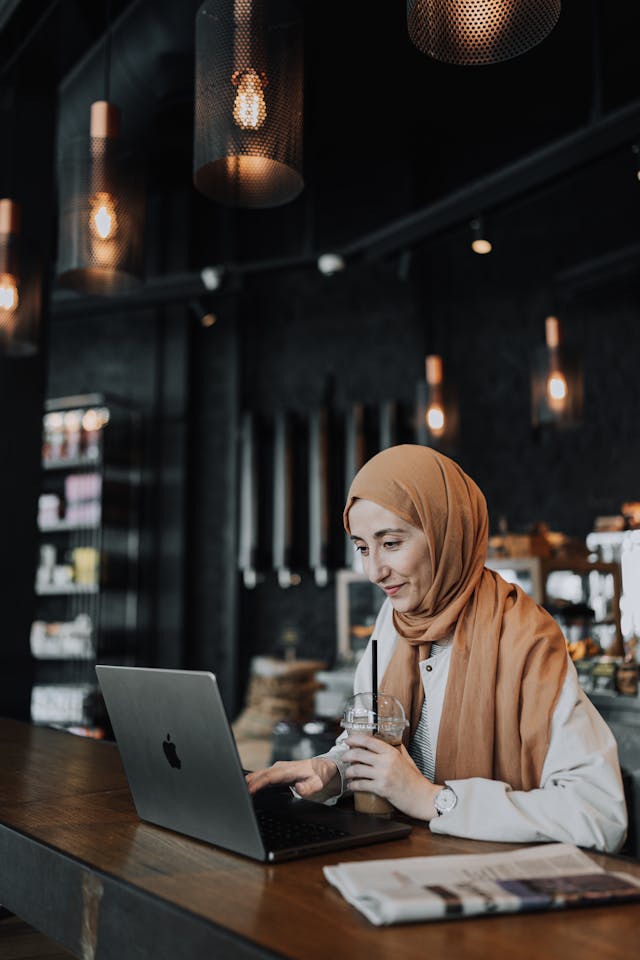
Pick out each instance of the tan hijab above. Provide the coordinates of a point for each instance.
(509, 657)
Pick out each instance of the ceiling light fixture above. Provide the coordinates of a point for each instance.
(556, 383)
(472, 32)
(9, 271)
(248, 103)
(330, 263)
(479, 241)
(203, 313)
(101, 218)
(635, 149)
(435, 419)
(212, 277)
(437, 416)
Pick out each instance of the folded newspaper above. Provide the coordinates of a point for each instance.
(545, 877)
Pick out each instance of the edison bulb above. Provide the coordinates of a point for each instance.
(102, 218)
(557, 390)
(434, 419)
(8, 292)
(249, 108)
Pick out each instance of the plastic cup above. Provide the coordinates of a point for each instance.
(380, 716)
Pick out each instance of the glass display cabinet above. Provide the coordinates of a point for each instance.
(87, 566)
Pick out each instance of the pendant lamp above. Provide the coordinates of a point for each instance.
(101, 217)
(557, 391)
(435, 420)
(19, 299)
(437, 409)
(248, 102)
(9, 271)
(472, 32)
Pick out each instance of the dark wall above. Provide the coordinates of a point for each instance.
(294, 340)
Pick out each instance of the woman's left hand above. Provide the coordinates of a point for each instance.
(377, 767)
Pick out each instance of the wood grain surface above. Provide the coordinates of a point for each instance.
(64, 803)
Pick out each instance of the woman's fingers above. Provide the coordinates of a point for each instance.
(280, 773)
(368, 743)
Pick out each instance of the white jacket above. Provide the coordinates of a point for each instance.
(580, 799)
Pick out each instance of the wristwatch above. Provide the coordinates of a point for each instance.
(445, 801)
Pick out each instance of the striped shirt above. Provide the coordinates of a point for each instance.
(420, 749)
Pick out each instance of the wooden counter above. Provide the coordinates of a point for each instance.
(76, 863)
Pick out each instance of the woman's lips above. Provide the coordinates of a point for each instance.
(391, 591)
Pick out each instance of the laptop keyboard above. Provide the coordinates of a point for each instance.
(279, 833)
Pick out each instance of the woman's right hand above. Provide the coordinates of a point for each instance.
(307, 777)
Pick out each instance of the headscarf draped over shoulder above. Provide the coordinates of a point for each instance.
(509, 657)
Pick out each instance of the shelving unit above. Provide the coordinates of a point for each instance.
(561, 585)
(86, 581)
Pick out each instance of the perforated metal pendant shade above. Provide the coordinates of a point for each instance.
(101, 210)
(248, 102)
(10, 293)
(476, 32)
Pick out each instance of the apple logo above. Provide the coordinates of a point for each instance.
(170, 752)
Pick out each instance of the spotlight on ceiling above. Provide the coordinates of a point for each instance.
(635, 150)
(203, 313)
(479, 242)
(330, 263)
(212, 277)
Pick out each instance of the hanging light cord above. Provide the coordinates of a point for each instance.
(596, 63)
(107, 51)
(17, 53)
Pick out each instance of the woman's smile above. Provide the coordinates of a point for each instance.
(394, 554)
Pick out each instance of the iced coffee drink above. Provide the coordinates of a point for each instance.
(380, 716)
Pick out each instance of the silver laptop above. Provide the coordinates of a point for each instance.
(183, 768)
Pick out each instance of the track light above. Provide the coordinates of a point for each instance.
(479, 241)
(635, 149)
(212, 277)
(330, 263)
(203, 313)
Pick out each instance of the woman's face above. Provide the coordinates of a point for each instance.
(394, 554)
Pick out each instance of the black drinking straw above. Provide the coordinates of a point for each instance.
(374, 682)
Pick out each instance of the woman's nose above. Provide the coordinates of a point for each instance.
(377, 570)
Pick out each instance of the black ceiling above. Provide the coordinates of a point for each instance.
(388, 131)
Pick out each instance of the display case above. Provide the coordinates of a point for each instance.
(86, 580)
(583, 595)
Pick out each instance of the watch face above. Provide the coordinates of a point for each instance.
(445, 800)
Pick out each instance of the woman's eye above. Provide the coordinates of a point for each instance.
(391, 544)
(360, 548)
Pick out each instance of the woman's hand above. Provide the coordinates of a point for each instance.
(307, 777)
(377, 767)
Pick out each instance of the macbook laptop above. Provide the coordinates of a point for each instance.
(183, 768)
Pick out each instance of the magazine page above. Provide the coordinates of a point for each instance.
(428, 888)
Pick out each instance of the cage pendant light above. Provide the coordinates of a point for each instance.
(9, 271)
(472, 32)
(557, 391)
(101, 209)
(248, 102)
(437, 419)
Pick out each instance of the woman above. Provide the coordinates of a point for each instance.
(502, 744)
